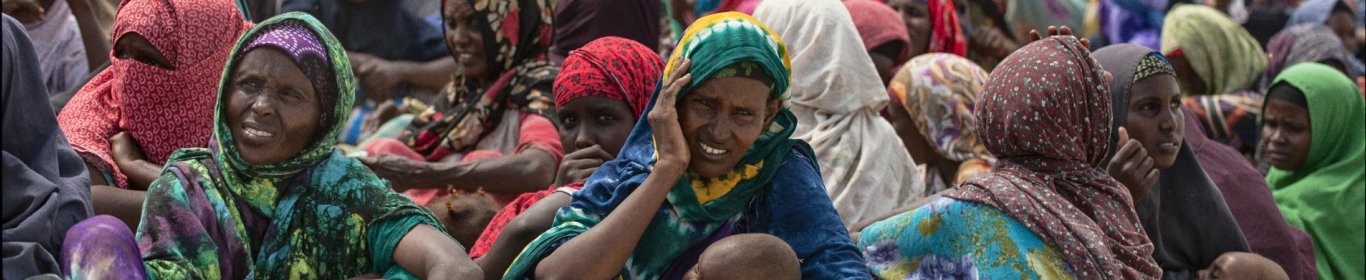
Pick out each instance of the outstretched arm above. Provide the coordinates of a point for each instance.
(429, 254)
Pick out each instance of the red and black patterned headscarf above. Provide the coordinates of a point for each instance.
(1045, 114)
(611, 67)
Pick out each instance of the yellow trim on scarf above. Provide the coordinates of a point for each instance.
(708, 189)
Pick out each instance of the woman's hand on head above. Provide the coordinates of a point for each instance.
(668, 134)
(1132, 167)
(1056, 31)
(577, 166)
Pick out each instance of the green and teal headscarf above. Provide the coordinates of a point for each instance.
(719, 45)
(1326, 197)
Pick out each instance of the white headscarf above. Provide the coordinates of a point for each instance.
(836, 95)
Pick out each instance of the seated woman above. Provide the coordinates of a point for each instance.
(1217, 67)
(155, 97)
(1306, 43)
(1047, 210)
(884, 35)
(492, 122)
(271, 196)
(599, 95)
(837, 98)
(933, 98)
(1180, 208)
(716, 164)
(1314, 128)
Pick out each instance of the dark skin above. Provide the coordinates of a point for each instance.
(1286, 132)
(593, 129)
(884, 58)
(725, 115)
(1152, 135)
(274, 112)
(916, 15)
(1190, 83)
(126, 204)
(1341, 22)
(536, 167)
(917, 144)
(1243, 265)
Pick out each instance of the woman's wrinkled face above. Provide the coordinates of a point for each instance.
(1155, 118)
(134, 46)
(1189, 82)
(721, 119)
(916, 15)
(595, 120)
(273, 110)
(1286, 133)
(464, 38)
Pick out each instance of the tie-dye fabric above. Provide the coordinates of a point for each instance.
(212, 215)
(783, 195)
(929, 243)
(939, 91)
(1046, 115)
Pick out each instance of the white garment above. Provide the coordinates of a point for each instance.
(61, 53)
(836, 95)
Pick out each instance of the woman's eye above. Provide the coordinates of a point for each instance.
(568, 120)
(606, 118)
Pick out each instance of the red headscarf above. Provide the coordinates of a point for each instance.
(611, 67)
(1045, 113)
(164, 110)
(879, 24)
(946, 35)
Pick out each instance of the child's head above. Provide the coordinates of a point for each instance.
(464, 215)
(747, 256)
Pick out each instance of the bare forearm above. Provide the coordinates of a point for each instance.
(430, 75)
(534, 169)
(96, 44)
(427, 253)
(126, 205)
(602, 251)
(140, 173)
(519, 232)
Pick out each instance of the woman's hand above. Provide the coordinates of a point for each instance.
(1132, 167)
(127, 154)
(384, 112)
(577, 166)
(1243, 265)
(1056, 31)
(668, 134)
(403, 173)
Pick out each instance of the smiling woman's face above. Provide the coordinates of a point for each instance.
(721, 119)
(273, 110)
(464, 38)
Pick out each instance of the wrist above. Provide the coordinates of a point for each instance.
(670, 167)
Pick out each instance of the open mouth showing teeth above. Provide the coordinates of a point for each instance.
(710, 150)
(257, 133)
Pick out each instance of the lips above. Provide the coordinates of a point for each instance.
(711, 152)
(254, 133)
(1169, 147)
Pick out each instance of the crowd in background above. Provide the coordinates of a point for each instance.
(684, 139)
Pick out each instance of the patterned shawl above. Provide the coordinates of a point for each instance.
(1184, 215)
(516, 37)
(1325, 196)
(1220, 51)
(164, 110)
(318, 214)
(939, 92)
(1045, 114)
(712, 43)
(837, 97)
(612, 67)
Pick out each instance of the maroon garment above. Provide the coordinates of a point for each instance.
(1045, 113)
(578, 22)
(1249, 199)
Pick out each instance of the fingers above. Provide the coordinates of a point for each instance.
(596, 151)
(1052, 31)
(1123, 135)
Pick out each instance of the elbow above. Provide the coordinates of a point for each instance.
(467, 270)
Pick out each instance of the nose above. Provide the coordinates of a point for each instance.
(1168, 121)
(262, 103)
(583, 139)
(718, 129)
